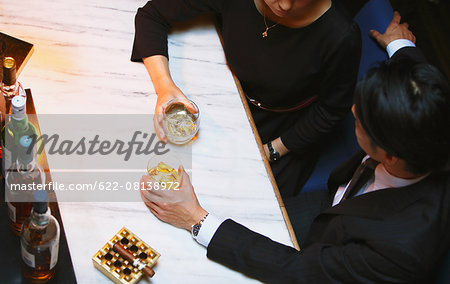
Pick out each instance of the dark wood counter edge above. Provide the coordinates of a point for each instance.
(267, 164)
(261, 150)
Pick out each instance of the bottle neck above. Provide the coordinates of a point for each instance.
(21, 118)
(23, 167)
(9, 91)
(40, 219)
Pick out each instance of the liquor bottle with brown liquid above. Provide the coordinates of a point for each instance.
(39, 241)
(21, 180)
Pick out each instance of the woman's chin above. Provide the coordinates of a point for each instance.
(280, 14)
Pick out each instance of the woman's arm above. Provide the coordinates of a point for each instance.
(154, 20)
(278, 145)
(152, 23)
(158, 68)
(338, 78)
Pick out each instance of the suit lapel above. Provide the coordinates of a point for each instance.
(381, 203)
(344, 172)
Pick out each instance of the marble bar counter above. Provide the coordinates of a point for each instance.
(81, 65)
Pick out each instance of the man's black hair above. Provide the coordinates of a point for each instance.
(404, 107)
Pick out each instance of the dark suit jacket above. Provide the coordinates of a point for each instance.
(395, 235)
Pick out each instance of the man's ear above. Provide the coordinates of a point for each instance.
(390, 160)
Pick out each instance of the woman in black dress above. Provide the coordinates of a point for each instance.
(298, 69)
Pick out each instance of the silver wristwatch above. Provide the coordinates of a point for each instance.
(195, 229)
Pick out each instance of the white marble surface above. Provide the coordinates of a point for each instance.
(81, 65)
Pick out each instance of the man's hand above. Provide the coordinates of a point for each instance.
(179, 208)
(394, 31)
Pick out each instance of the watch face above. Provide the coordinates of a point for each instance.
(274, 156)
(195, 230)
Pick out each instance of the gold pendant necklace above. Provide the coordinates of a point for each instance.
(264, 33)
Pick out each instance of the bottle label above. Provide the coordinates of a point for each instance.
(28, 258)
(54, 253)
(12, 212)
(25, 141)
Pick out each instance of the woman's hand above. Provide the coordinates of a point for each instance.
(179, 208)
(158, 68)
(163, 99)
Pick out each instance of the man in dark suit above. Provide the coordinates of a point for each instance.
(388, 216)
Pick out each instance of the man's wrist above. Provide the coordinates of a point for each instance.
(195, 229)
(209, 229)
(198, 215)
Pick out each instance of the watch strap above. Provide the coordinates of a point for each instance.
(195, 229)
(274, 155)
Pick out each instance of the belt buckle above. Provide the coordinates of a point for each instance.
(255, 102)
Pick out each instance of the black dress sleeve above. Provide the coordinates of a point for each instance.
(335, 94)
(153, 21)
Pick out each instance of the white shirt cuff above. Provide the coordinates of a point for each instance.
(395, 45)
(208, 229)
